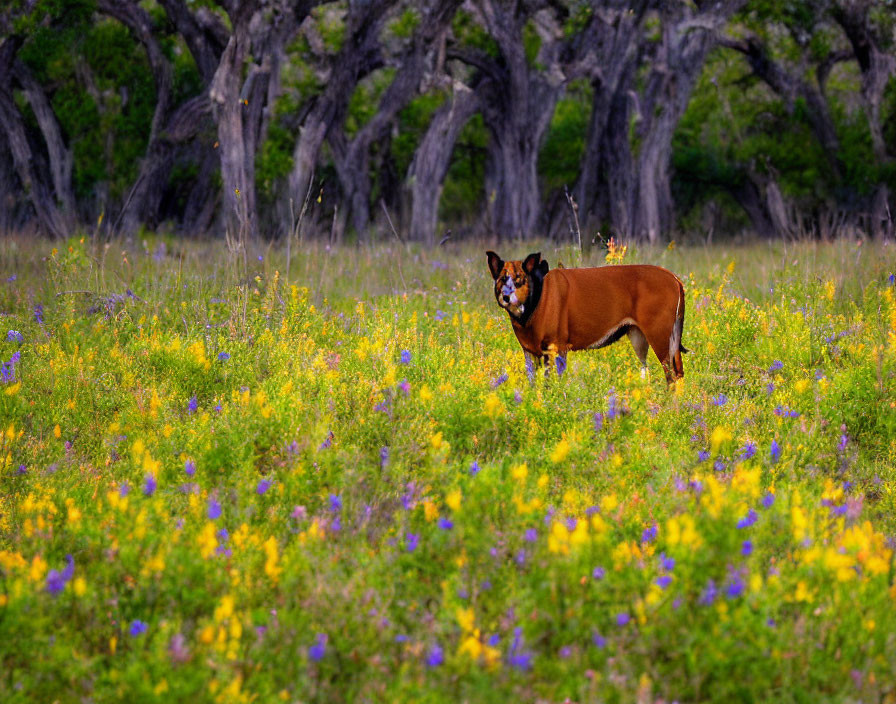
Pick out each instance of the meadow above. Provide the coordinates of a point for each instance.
(330, 480)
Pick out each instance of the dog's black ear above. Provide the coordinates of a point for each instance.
(543, 267)
(531, 262)
(495, 264)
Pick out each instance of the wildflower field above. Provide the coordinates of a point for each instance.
(332, 481)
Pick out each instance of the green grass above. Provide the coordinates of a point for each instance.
(363, 527)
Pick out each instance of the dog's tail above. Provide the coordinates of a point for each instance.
(675, 343)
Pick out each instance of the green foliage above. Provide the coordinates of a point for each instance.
(413, 121)
(561, 154)
(404, 25)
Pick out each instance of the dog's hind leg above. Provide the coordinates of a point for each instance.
(639, 343)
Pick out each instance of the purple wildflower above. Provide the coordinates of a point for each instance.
(622, 618)
(735, 587)
(747, 451)
(435, 657)
(405, 386)
(193, 404)
(412, 540)
(223, 356)
(384, 457)
(664, 581)
(317, 651)
(214, 509)
(15, 336)
(335, 503)
(748, 520)
(498, 381)
(531, 535)
(598, 422)
(475, 468)
(775, 451)
(776, 365)
(137, 627)
(720, 400)
(709, 594)
(598, 640)
(445, 523)
(560, 361)
(405, 357)
(746, 549)
(516, 657)
(263, 486)
(703, 455)
(649, 534)
(149, 485)
(667, 563)
(328, 442)
(768, 500)
(190, 468)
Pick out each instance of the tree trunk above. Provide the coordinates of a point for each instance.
(26, 162)
(59, 155)
(360, 54)
(426, 174)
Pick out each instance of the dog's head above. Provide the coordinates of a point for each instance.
(518, 284)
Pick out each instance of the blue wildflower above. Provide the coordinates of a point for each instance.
(649, 534)
(622, 618)
(768, 500)
(192, 405)
(445, 523)
(735, 587)
(667, 563)
(435, 656)
(137, 627)
(149, 485)
(412, 540)
(531, 535)
(720, 400)
(500, 380)
(560, 361)
(335, 503)
(598, 640)
(263, 486)
(190, 468)
(746, 549)
(664, 581)
(405, 357)
(748, 520)
(703, 455)
(214, 509)
(709, 593)
(223, 356)
(474, 468)
(384, 457)
(15, 336)
(775, 451)
(747, 451)
(776, 365)
(317, 651)
(516, 657)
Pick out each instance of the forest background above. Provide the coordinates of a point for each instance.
(346, 120)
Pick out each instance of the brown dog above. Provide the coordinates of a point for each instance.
(553, 312)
